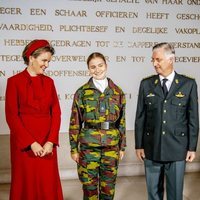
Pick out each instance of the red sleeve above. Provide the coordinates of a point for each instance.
(23, 137)
(55, 118)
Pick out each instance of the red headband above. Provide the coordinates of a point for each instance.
(36, 45)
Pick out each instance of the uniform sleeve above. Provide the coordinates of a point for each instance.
(140, 119)
(122, 123)
(55, 118)
(75, 123)
(18, 131)
(193, 118)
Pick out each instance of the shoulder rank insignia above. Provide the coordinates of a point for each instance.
(180, 95)
(150, 95)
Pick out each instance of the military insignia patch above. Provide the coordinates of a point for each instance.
(180, 95)
(156, 81)
(150, 95)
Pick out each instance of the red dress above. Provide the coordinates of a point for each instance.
(33, 114)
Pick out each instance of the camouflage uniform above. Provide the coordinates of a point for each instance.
(98, 149)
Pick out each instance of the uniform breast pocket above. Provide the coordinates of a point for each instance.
(151, 103)
(180, 107)
(151, 110)
(114, 104)
(90, 108)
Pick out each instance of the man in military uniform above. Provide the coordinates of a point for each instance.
(97, 131)
(166, 125)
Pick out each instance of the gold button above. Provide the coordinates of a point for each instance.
(179, 104)
(164, 122)
(164, 111)
(147, 133)
(163, 132)
(165, 101)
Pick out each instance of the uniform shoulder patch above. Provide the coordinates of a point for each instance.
(148, 77)
(188, 76)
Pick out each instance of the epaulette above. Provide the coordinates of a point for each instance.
(188, 76)
(148, 77)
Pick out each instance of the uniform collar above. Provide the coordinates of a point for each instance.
(170, 77)
(91, 84)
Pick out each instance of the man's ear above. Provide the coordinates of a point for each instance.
(171, 59)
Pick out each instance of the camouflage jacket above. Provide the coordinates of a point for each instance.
(90, 105)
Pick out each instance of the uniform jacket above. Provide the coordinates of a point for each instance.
(90, 105)
(167, 128)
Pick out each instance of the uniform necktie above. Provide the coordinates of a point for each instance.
(164, 87)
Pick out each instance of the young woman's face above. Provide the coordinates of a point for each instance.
(38, 65)
(97, 68)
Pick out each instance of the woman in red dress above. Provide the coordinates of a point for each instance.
(33, 115)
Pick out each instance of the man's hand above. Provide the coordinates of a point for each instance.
(190, 156)
(140, 154)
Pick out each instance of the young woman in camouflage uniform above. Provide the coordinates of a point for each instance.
(97, 131)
